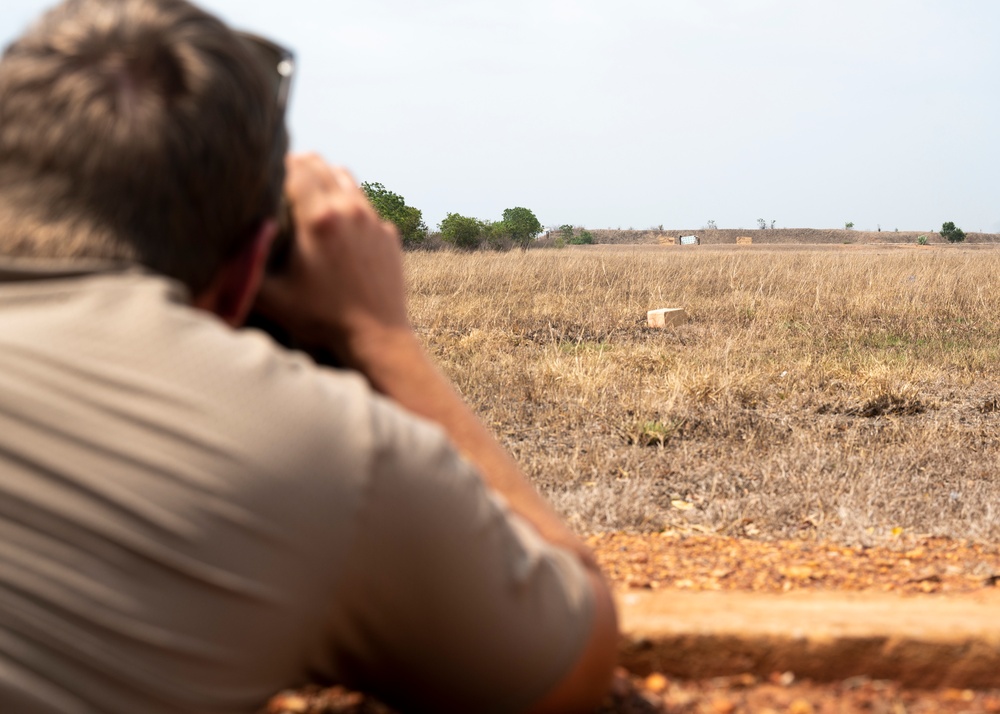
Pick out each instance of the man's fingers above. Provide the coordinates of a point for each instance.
(311, 173)
(307, 180)
(320, 193)
(345, 182)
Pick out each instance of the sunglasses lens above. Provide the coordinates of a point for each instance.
(278, 62)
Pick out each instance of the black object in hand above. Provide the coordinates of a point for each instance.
(280, 335)
(281, 250)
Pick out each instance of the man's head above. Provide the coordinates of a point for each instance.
(137, 130)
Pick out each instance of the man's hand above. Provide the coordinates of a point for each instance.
(343, 285)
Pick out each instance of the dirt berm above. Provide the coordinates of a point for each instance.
(724, 236)
(918, 641)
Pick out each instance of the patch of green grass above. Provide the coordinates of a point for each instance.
(576, 347)
(890, 340)
(653, 433)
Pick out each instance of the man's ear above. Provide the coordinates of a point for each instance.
(234, 288)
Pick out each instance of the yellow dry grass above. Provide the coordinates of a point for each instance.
(842, 394)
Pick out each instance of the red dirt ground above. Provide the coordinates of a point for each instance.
(918, 565)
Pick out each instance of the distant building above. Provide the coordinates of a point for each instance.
(688, 240)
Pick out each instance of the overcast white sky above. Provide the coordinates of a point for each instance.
(637, 113)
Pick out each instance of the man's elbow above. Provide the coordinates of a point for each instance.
(587, 683)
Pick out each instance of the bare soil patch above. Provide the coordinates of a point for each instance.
(698, 562)
(693, 562)
(779, 693)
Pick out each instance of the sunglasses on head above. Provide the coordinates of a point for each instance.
(280, 62)
(280, 66)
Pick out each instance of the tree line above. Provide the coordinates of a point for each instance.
(517, 227)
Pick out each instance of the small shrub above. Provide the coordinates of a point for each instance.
(495, 236)
(921, 240)
(585, 238)
(462, 231)
(951, 233)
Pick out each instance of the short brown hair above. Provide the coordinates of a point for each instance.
(136, 130)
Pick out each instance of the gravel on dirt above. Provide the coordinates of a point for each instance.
(702, 562)
(780, 693)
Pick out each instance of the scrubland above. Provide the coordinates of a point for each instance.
(847, 394)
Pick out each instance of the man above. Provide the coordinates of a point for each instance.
(191, 517)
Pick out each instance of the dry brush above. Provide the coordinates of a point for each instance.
(843, 394)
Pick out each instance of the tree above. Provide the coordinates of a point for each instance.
(585, 238)
(849, 225)
(521, 225)
(392, 207)
(566, 232)
(951, 233)
(710, 226)
(761, 223)
(462, 231)
(495, 235)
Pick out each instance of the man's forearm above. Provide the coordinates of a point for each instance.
(397, 366)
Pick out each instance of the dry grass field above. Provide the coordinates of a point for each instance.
(848, 394)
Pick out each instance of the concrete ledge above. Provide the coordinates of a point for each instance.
(925, 642)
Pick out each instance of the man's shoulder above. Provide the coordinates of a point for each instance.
(133, 343)
(122, 374)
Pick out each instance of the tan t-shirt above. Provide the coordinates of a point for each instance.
(192, 518)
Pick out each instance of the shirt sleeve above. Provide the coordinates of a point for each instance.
(451, 602)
